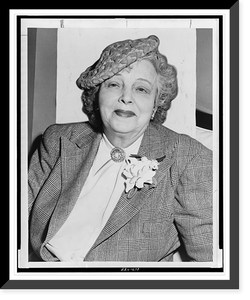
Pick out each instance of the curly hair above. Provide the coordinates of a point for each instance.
(167, 85)
(167, 89)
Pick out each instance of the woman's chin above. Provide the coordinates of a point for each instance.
(123, 129)
(124, 126)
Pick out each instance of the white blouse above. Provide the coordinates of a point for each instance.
(97, 200)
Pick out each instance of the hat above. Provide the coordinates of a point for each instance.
(115, 58)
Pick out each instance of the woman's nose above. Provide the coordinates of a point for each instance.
(126, 96)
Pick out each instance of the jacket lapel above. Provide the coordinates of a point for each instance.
(76, 160)
(152, 147)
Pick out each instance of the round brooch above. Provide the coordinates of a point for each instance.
(117, 154)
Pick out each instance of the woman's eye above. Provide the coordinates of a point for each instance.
(142, 90)
(113, 85)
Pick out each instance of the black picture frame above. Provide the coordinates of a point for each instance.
(234, 282)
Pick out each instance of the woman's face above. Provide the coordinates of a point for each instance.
(126, 100)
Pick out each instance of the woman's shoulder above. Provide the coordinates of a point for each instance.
(184, 144)
(185, 150)
(71, 131)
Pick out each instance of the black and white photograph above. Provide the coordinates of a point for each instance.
(110, 181)
(123, 132)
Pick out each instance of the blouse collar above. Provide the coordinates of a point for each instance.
(103, 153)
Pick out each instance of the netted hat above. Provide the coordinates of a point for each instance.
(115, 58)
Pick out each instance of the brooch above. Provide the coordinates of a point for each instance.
(117, 154)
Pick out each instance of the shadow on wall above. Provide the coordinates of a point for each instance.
(34, 146)
(182, 253)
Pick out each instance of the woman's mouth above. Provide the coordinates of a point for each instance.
(124, 113)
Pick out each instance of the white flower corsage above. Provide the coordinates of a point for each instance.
(140, 170)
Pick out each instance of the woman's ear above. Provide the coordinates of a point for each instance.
(153, 113)
(155, 106)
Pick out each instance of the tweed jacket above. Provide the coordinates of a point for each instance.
(147, 227)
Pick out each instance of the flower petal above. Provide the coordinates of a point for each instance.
(146, 178)
(133, 180)
(139, 183)
(127, 174)
(154, 165)
(154, 181)
(128, 185)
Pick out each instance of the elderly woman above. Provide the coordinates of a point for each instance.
(122, 187)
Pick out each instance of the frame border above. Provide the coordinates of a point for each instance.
(233, 282)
